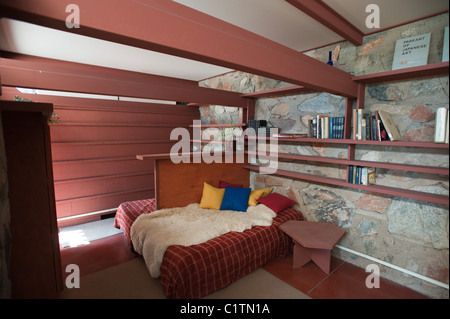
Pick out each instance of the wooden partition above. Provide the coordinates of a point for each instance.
(34, 261)
(94, 148)
(178, 185)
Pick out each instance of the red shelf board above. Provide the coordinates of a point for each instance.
(395, 166)
(354, 142)
(387, 190)
(404, 74)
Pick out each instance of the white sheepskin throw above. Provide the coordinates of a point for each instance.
(152, 233)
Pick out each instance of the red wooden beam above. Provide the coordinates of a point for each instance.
(285, 91)
(171, 28)
(322, 13)
(46, 74)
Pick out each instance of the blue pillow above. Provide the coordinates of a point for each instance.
(235, 198)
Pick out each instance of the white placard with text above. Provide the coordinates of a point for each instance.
(411, 52)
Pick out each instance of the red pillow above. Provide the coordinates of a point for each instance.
(276, 202)
(223, 184)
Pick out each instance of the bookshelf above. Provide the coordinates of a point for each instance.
(380, 189)
(385, 190)
(418, 147)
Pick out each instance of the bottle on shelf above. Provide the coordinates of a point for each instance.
(330, 60)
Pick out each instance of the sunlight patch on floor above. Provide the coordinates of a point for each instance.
(73, 238)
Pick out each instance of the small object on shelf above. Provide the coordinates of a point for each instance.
(310, 128)
(273, 131)
(411, 51)
(326, 127)
(261, 128)
(330, 59)
(446, 133)
(361, 175)
(441, 126)
(389, 125)
(256, 124)
(381, 131)
(371, 175)
(445, 46)
(362, 125)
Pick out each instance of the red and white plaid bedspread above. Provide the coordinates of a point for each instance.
(199, 270)
(128, 212)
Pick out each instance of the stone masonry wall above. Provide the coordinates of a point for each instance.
(407, 233)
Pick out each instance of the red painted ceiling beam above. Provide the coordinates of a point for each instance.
(47, 74)
(325, 15)
(171, 28)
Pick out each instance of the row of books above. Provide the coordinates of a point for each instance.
(441, 127)
(376, 126)
(326, 127)
(361, 175)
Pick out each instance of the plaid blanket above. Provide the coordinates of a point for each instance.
(199, 270)
(128, 212)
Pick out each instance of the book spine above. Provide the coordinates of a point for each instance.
(359, 129)
(440, 125)
(332, 128)
(310, 128)
(368, 124)
(371, 175)
(314, 130)
(374, 128)
(350, 174)
(364, 175)
(446, 134)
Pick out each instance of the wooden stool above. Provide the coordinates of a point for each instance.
(313, 241)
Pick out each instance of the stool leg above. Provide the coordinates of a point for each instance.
(301, 256)
(322, 258)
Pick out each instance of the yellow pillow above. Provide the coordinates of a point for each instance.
(212, 197)
(257, 194)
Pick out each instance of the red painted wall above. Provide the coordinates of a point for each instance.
(94, 148)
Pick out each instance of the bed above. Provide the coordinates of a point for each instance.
(127, 213)
(195, 271)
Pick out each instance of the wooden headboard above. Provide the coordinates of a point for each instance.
(177, 185)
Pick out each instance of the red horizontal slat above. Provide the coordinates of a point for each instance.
(85, 187)
(65, 170)
(93, 150)
(94, 203)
